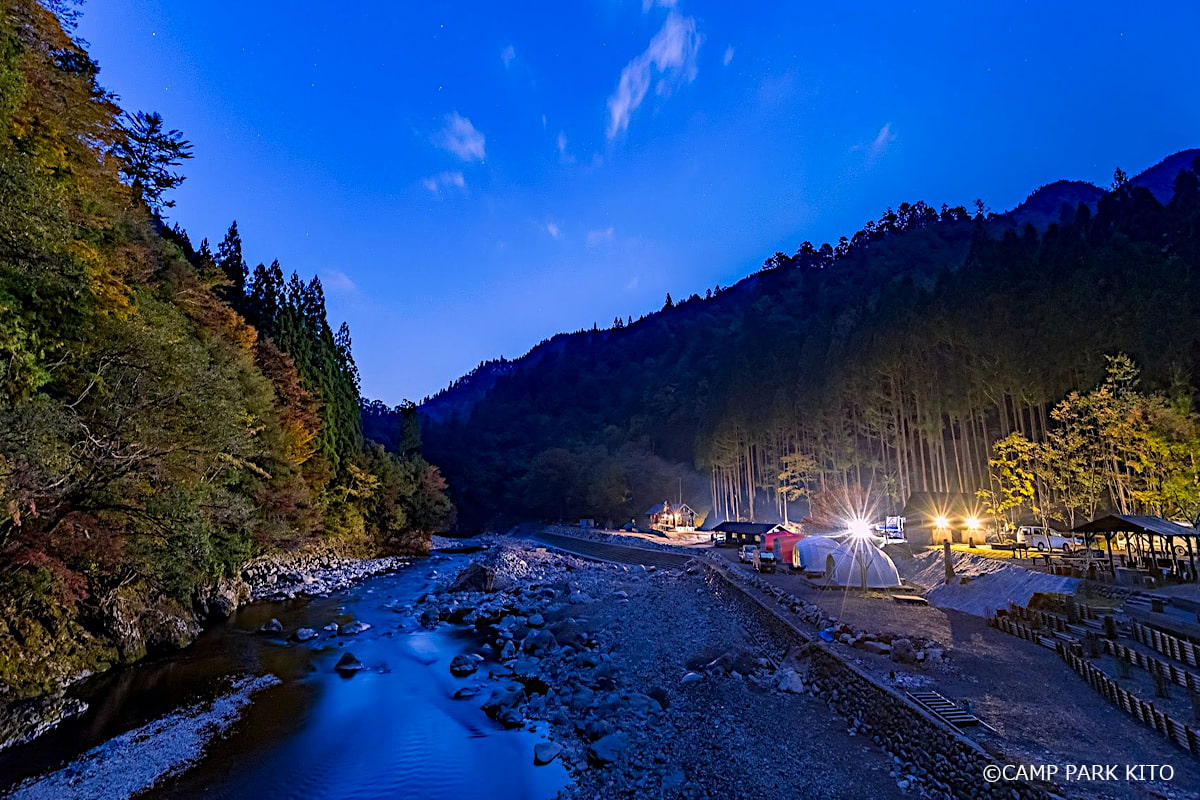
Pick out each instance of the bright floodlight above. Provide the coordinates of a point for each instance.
(860, 527)
(972, 522)
(941, 522)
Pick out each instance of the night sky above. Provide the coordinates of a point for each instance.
(470, 178)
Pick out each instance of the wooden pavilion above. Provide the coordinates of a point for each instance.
(1152, 545)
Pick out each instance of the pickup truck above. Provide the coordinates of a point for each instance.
(746, 554)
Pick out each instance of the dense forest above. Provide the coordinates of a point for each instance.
(166, 413)
(934, 350)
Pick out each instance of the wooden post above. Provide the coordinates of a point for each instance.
(1123, 666)
(948, 561)
(1160, 680)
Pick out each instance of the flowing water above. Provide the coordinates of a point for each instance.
(392, 730)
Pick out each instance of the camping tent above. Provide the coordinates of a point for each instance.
(854, 558)
(810, 553)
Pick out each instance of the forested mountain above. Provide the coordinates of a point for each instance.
(888, 363)
(165, 412)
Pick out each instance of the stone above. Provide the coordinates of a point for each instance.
(304, 634)
(539, 641)
(331, 627)
(879, 648)
(348, 664)
(596, 729)
(474, 578)
(903, 652)
(691, 677)
(466, 692)
(463, 665)
(536, 621)
(607, 749)
(272, 626)
(789, 681)
(508, 652)
(545, 752)
(353, 628)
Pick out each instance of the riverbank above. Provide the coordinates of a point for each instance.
(649, 680)
(41, 660)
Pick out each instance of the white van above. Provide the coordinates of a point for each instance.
(1047, 539)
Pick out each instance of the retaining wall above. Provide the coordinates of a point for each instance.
(945, 761)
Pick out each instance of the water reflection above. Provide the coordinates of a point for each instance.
(391, 730)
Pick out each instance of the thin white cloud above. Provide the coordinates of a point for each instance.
(564, 156)
(338, 282)
(600, 237)
(507, 55)
(553, 229)
(876, 148)
(461, 138)
(633, 283)
(671, 56)
(649, 4)
(438, 185)
(728, 55)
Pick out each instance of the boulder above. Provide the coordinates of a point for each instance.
(474, 578)
(596, 729)
(539, 641)
(691, 677)
(304, 634)
(509, 651)
(535, 621)
(463, 665)
(353, 628)
(903, 652)
(607, 749)
(502, 705)
(879, 648)
(788, 680)
(218, 600)
(545, 752)
(348, 664)
(272, 626)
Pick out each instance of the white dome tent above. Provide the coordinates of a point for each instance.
(810, 552)
(856, 559)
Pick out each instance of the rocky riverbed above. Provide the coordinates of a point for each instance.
(653, 684)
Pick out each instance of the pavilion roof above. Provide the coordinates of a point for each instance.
(1132, 523)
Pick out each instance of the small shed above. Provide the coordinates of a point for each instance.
(936, 517)
(739, 533)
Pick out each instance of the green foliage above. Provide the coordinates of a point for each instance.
(1115, 446)
(148, 152)
(892, 360)
(161, 422)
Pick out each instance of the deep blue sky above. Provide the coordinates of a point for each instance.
(471, 178)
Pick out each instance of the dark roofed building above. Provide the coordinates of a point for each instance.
(747, 532)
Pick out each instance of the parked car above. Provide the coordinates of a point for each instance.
(746, 554)
(719, 538)
(1047, 539)
(764, 561)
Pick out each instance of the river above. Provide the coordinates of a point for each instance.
(300, 730)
